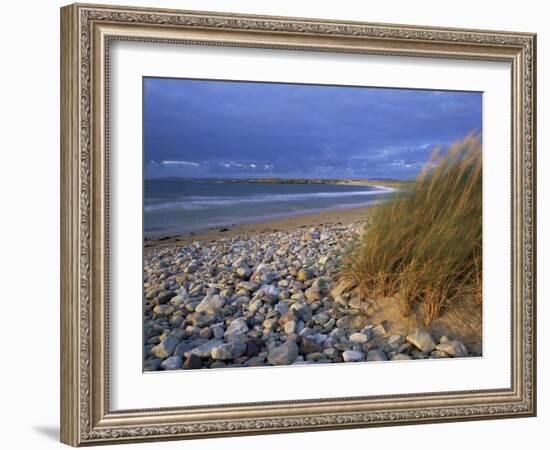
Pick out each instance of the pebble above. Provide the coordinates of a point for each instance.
(192, 362)
(401, 357)
(353, 356)
(358, 338)
(305, 274)
(376, 355)
(237, 327)
(438, 354)
(453, 348)
(166, 347)
(283, 354)
(203, 350)
(290, 327)
(379, 330)
(228, 351)
(422, 340)
(211, 304)
(163, 310)
(153, 364)
(309, 346)
(244, 273)
(172, 363)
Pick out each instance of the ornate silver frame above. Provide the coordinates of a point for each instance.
(86, 31)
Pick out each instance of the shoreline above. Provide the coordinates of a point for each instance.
(389, 184)
(344, 216)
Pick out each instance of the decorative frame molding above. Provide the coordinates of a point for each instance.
(86, 31)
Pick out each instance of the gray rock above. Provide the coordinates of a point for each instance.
(255, 361)
(218, 331)
(305, 274)
(325, 282)
(353, 356)
(243, 273)
(417, 354)
(165, 296)
(342, 301)
(401, 357)
(192, 362)
(176, 321)
(309, 346)
(358, 338)
(271, 323)
(313, 294)
(187, 346)
(422, 340)
(271, 292)
(315, 356)
(247, 285)
(367, 331)
(231, 350)
(252, 347)
(379, 330)
(290, 327)
(376, 355)
(329, 326)
(205, 333)
(349, 323)
(282, 307)
(331, 353)
(152, 364)
(166, 347)
(163, 310)
(438, 354)
(192, 267)
(405, 348)
(177, 300)
(321, 318)
(395, 341)
(203, 351)
(302, 311)
(454, 348)
(237, 327)
(201, 319)
(211, 303)
(255, 305)
(283, 354)
(263, 277)
(172, 363)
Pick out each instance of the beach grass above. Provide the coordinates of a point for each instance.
(424, 247)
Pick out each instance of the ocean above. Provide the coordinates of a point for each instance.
(182, 206)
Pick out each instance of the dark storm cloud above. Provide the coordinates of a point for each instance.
(238, 129)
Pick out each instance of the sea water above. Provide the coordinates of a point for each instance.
(182, 206)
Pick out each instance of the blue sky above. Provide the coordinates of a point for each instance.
(200, 128)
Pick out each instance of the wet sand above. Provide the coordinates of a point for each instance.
(292, 223)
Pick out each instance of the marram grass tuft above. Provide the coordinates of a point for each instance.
(425, 245)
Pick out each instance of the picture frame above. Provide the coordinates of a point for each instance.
(87, 32)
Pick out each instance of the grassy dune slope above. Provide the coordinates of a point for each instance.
(425, 246)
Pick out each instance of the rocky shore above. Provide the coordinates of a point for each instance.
(263, 300)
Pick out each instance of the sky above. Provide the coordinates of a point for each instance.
(227, 129)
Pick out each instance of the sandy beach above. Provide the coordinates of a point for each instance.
(299, 222)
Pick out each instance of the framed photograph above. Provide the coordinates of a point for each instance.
(275, 224)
